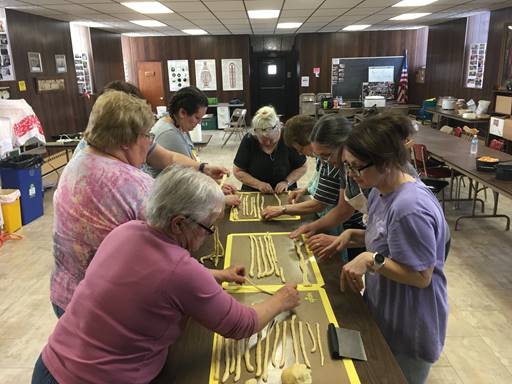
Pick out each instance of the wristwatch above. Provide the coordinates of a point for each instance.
(378, 261)
(201, 167)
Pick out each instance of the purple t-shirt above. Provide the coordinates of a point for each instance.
(408, 226)
(132, 305)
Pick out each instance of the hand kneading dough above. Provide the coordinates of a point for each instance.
(251, 381)
(296, 374)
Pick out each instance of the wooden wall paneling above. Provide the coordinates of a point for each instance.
(317, 50)
(107, 57)
(63, 111)
(191, 47)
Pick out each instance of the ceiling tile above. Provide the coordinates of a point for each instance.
(337, 3)
(69, 8)
(296, 12)
(301, 4)
(110, 7)
(232, 15)
(263, 4)
(325, 19)
(362, 11)
(329, 12)
(378, 3)
(184, 6)
(198, 15)
(225, 5)
(44, 2)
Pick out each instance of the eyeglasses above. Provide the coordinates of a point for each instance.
(149, 135)
(356, 171)
(210, 230)
(266, 130)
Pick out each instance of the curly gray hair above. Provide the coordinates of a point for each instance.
(182, 191)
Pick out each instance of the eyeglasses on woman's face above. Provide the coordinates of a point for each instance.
(209, 230)
(149, 135)
(356, 171)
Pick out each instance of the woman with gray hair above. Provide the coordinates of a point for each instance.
(263, 161)
(141, 286)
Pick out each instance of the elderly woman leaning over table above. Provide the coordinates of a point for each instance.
(263, 161)
(406, 234)
(141, 286)
(101, 188)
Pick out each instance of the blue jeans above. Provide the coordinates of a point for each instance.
(415, 370)
(41, 374)
(58, 310)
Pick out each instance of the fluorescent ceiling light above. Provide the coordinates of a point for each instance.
(414, 3)
(195, 31)
(409, 16)
(90, 24)
(148, 7)
(356, 27)
(263, 14)
(148, 23)
(288, 25)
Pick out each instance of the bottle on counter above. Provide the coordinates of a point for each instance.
(473, 150)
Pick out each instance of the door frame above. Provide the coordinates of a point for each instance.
(292, 67)
(165, 78)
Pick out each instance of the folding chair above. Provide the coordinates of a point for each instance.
(236, 124)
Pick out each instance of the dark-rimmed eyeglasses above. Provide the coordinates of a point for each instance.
(149, 135)
(356, 171)
(210, 230)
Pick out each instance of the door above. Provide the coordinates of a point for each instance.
(271, 89)
(151, 82)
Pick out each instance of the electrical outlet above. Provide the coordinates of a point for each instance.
(5, 93)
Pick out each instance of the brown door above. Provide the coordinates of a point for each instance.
(151, 82)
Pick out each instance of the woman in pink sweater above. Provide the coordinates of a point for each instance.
(143, 283)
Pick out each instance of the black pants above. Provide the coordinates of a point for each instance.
(41, 374)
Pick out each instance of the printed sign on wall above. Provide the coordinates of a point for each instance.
(206, 77)
(178, 74)
(232, 75)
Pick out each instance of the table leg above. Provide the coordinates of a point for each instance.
(494, 212)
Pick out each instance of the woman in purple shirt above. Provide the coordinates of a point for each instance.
(143, 284)
(405, 238)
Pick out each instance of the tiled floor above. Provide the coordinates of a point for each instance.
(479, 271)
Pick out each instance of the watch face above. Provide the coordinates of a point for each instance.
(379, 259)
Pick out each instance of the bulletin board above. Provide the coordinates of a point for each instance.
(348, 74)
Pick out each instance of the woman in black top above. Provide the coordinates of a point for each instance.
(263, 161)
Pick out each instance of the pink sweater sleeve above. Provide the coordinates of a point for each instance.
(196, 293)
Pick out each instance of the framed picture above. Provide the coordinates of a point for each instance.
(48, 85)
(60, 63)
(505, 72)
(34, 62)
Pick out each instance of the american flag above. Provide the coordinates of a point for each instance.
(403, 85)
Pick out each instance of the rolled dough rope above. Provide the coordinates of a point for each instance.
(227, 362)
(251, 205)
(313, 339)
(224, 177)
(258, 210)
(276, 340)
(278, 199)
(302, 346)
(218, 353)
(233, 358)
(262, 201)
(269, 255)
(283, 345)
(238, 367)
(258, 356)
(283, 279)
(263, 257)
(294, 339)
(302, 264)
(264, 375)
(245, 204)
(235, 213)
(274, 255)
(247, 357)
(320, 345)
(258, 258)
(251, 269)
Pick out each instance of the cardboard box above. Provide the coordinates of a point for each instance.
(503, 104)
(496, 126)
(507, 129)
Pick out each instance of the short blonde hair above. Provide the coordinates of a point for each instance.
(116, 119)
(265, 118)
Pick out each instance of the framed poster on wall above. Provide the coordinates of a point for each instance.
(6, 62)
(206, 75)
(232, 75)
(178, 74)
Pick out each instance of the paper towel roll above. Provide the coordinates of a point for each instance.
(196, 134)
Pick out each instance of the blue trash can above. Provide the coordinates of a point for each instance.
(24, 173)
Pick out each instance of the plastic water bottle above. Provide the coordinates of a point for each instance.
(474, 145)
